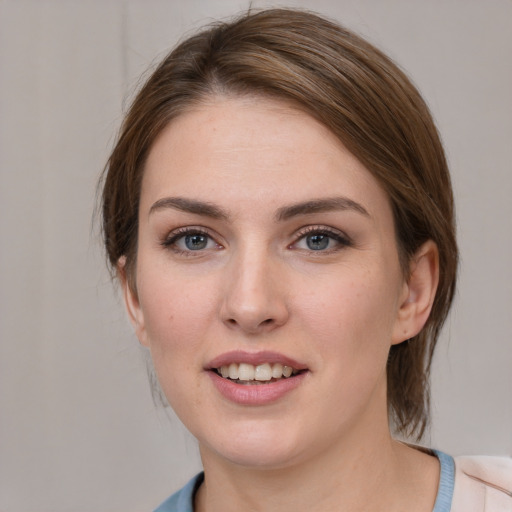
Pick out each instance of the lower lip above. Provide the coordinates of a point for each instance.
(255, 394)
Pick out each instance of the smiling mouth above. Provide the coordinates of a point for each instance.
(248, 374)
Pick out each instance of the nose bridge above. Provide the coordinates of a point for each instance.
(254, 300)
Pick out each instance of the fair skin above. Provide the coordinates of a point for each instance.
(263, 241)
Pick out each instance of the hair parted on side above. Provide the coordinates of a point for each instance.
(354, 90)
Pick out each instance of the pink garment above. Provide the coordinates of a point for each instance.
(482, 484)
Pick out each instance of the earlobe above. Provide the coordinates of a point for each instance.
(131, 302)
(419, 293)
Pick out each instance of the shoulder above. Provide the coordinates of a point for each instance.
(482, 484)
(183, 500)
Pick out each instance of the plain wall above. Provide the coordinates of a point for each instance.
(78, 428)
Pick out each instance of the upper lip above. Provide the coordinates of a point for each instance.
(254, 358)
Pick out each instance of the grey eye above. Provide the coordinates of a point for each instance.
(317, 242)
(196, 242)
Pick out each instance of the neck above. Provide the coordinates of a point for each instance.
(380, 475)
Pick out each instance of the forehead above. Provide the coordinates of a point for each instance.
(254, 150)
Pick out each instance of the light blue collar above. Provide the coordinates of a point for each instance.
(446, 482)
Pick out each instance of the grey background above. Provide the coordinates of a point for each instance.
(78, 429)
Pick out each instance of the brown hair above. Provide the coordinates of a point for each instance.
(354, 90)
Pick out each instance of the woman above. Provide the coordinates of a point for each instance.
(279, 212)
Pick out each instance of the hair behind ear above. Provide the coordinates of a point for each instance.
(410, 356)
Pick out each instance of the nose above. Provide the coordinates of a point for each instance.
(254, 295)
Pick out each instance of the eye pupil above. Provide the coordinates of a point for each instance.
(317, 242)
(196, 242)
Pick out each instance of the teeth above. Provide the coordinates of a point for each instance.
(263, 372)
(233, 371)
(245, 371)
(277, 371)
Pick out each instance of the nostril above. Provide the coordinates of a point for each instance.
(251, 326)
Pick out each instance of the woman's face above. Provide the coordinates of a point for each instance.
(266, 248)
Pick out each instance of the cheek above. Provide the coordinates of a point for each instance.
(176, 319)
(363, 302)
(176, 313)
(351, 322)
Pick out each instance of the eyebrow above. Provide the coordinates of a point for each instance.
(286, 212)
(319, 206)
(190, 206)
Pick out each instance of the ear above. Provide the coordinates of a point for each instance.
(418, 294)
(131, 302)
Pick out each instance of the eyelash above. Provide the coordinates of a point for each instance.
(171, 240)
(339, 237)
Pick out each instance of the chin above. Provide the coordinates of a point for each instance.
(257, 446)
